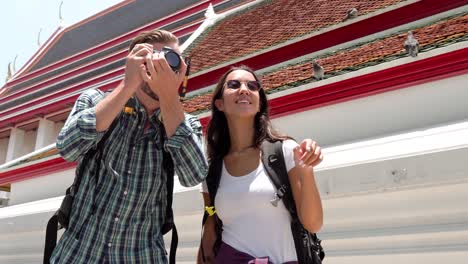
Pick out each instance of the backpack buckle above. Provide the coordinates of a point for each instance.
(278, 195)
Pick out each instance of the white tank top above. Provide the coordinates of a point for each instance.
(251, 224)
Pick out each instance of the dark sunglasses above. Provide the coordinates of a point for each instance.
(236, 84)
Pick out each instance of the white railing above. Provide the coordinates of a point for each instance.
(14, 163)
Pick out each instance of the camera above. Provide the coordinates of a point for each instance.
(172, 57)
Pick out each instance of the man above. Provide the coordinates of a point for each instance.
(117, 215)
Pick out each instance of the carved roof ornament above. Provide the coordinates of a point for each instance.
(39, 37)
(14, 64)
(9, 75)
(60, 15)
(210, 13)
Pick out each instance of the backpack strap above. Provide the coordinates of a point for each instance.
(168, 167)
(214, 178)
(273, 161)
(51, 238)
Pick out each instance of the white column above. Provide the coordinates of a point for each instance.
(3, 149)
(45, 133)
(29, 142)
(15, 145)
(58, 127)
(4, 197)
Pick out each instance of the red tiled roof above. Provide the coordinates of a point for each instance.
(197, 103)
(369, 52)
(270, 24)
(374, 51)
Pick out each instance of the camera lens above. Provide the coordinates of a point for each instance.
(173, 59)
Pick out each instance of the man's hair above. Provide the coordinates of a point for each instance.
(154, 36)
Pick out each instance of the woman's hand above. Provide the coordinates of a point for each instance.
(302, 178)
(208, 241)
(308, 154)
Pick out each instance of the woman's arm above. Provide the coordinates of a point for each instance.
(307, 198)
(304, 188)
(208, 236)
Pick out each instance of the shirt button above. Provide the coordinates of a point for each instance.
(110, 244)
(129, 171)
(134, 148)
(125, 192)
(116, 219)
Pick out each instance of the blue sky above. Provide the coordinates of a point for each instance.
(21, 21)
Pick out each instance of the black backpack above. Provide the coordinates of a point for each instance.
(308, 246)
(61, 217)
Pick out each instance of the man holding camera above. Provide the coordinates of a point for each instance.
(118, 213)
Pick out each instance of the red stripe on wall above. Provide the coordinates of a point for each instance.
(35, 170)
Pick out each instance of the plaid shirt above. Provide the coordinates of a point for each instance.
(117, 216)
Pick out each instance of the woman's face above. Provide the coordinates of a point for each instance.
(240, 95)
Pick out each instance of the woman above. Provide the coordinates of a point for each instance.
(251, 227)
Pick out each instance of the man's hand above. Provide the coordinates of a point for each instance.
(162, 80)
(308, 154)
(134, 64)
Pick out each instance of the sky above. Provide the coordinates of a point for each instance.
(21, 21)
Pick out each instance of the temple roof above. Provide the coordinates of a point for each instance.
(98, 46)
(113, 23)
(268, 24)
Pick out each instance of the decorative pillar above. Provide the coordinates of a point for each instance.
(15, 145)
(45, 133)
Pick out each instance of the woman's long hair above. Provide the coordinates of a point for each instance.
(218, 139)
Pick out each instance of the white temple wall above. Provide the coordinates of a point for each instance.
(413, 108)
(47, 186)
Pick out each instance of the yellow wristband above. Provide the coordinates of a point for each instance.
(210, 210)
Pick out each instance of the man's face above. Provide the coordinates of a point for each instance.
(158, 47)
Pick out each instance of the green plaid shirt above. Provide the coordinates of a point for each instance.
(117, 216)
